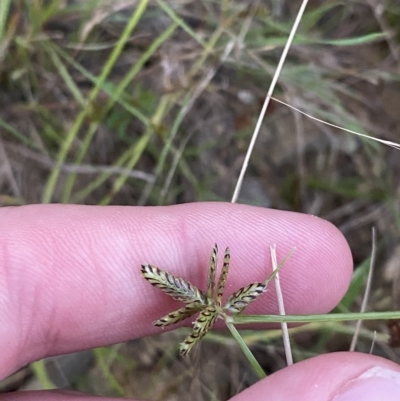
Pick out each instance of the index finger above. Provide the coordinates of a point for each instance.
(70, 275)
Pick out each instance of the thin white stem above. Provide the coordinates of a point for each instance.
(279, 296)
(267, 100)
(373, 343)
(367, 290)
(387, 143)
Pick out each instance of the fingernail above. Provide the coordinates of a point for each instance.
(375, 384)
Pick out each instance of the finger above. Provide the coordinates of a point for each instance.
(70, 275)
(344, 376)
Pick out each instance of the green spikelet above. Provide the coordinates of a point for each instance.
(223, 276)
(240, 299)
(176, 287)
(211, 272)
(201, 326)
(180, 314)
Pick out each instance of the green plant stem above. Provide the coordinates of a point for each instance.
(104, 364)
(11, 130)
(39, 368)
(106, 87)
(252, 336)
(136, 153)
(100, 179)
(66, 145)
(4, 8)
(246, 350)
(180, 21)
(118, 93)
(332, 317)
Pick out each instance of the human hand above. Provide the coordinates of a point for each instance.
(70, 280)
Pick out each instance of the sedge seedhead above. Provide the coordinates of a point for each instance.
(208, 305)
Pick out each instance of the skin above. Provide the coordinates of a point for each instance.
(70, 280)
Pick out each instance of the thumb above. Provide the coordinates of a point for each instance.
(342, 376)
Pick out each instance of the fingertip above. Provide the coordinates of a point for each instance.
(328, 377)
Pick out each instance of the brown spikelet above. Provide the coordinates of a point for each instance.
(240, 299)
(201, 326)
(180, 314)
(211, 272)
(176, 287)
(223, 276)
